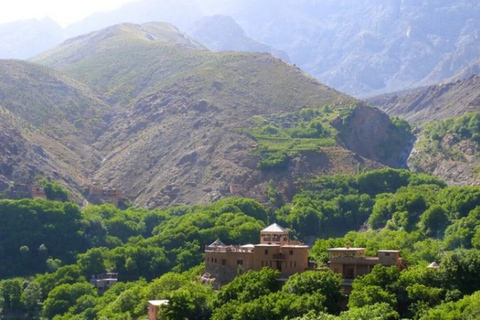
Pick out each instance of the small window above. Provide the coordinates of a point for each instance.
(215, 260)
(291, 252)
(266, 251)
(224, 262)
(387, 254)
(240, 262)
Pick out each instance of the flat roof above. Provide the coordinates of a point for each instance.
(294, 246)
(158, 302)
(267, 245)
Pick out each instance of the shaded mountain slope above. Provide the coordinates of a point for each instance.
(48, 124)
(222, 33)
(426, 104)
(180, 128)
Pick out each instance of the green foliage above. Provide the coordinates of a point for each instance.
(326, 284)
(466, 308)
(370, 295)
(276, 161)
(249, 286)
(434, 221)
(38, 229)
(64, 297)
(414, 213)
(54, 191)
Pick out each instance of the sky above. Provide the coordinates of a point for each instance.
(63, 12)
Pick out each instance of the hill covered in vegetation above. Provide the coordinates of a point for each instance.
(187, 123)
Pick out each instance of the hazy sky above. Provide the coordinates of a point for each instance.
(62, 11)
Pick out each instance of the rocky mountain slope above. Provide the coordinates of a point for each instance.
(187, 125)
(438, 102)
(447, 118)
(49, 122)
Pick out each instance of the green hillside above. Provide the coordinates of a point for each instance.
(168, 90)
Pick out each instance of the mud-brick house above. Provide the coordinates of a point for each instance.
(275, 250)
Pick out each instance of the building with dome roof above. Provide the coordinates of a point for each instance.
(275, 250)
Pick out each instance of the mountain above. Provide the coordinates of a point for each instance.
(24, 39)
(190, 125)
(402, 44)
(438, 102)
(222, 33)
(48, 124)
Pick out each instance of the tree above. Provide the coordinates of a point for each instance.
(434, 221)
(317, 282)
(63, 297)
(31, 298)
(377, 311)
(370, 295)
(249, 286)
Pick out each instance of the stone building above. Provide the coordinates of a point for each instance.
(275, 250)
(103, 281)
(352, 262)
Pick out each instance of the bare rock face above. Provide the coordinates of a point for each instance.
(371, 134)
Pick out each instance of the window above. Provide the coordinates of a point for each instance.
(224, 262)
(215, 260)
(291, 252)
(266, 251)
(387, 254)
(240, 262)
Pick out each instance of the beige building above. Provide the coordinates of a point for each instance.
(37, 191)
(275, 250)
(352, 262)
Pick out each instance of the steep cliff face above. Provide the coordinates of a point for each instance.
(371, 134)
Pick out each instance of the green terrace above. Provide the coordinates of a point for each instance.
(283, 135)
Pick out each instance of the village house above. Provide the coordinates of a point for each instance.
(275, 250)
(352, 262)
(107, 194)
(103, 281)
(37, 191)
